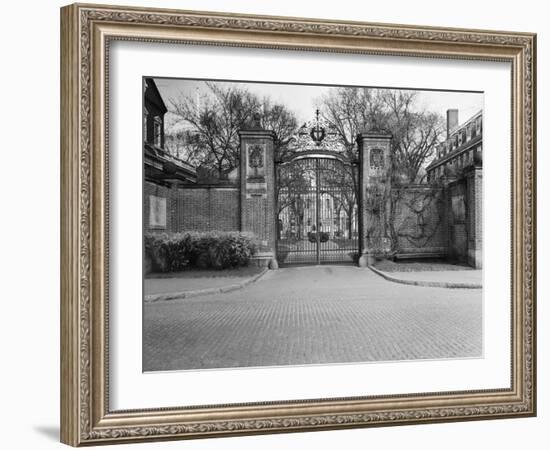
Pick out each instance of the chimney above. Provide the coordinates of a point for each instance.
(452, 120)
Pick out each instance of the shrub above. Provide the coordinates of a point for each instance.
(323, 236)
(217, 250)
(166, 252)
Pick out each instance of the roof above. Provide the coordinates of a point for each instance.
(152, 94)
(474, 140)
(160, 165)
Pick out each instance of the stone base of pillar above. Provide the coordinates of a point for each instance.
(367, 259)
(264, 259)
(475, 258)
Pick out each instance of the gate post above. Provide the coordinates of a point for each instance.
(257, 178)
(474, 193)
(374, 195)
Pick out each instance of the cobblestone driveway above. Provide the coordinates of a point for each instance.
(312, 315)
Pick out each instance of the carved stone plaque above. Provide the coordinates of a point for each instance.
(376, 158)
(255, 171)
(256, 161)
(157, 212)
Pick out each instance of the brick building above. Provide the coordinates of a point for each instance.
(458, 168)
(175, 196)
(162, 172)
(462, 148)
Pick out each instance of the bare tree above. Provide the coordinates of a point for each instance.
(212, 140)
(342, 177)
(186, 145)
(279, 119)
(351, 111)
(415, 132)
(222, 112)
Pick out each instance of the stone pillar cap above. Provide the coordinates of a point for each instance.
(256, 132)
(374, 133)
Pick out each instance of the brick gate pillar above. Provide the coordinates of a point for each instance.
(257, 174)
(374, 195)
(474, 205)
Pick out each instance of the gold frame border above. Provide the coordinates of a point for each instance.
(85, 33)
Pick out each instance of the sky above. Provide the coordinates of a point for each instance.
(303, 99)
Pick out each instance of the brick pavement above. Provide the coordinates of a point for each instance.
(313, 315)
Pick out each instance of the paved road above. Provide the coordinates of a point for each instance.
(313, 315)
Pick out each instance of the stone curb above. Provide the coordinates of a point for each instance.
(440, 284)
(207, 291)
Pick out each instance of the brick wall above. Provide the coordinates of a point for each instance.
(427, 219)
(420, 220)
(208, 209)
(465, 221)
(193, 208)
(450, 223)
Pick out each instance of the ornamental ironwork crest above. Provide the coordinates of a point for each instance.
(317, 134)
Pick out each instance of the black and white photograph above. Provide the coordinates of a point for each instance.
(293, 224)
(275, 225)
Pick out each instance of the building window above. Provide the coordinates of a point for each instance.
(158, 132)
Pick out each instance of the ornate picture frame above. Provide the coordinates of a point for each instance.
(86, 33)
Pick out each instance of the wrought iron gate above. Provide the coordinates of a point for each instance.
(317, 220)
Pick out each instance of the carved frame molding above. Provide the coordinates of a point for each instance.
(86, 31)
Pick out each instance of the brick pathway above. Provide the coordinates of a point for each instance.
(313, 315)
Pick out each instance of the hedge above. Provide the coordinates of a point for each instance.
(216, 250)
